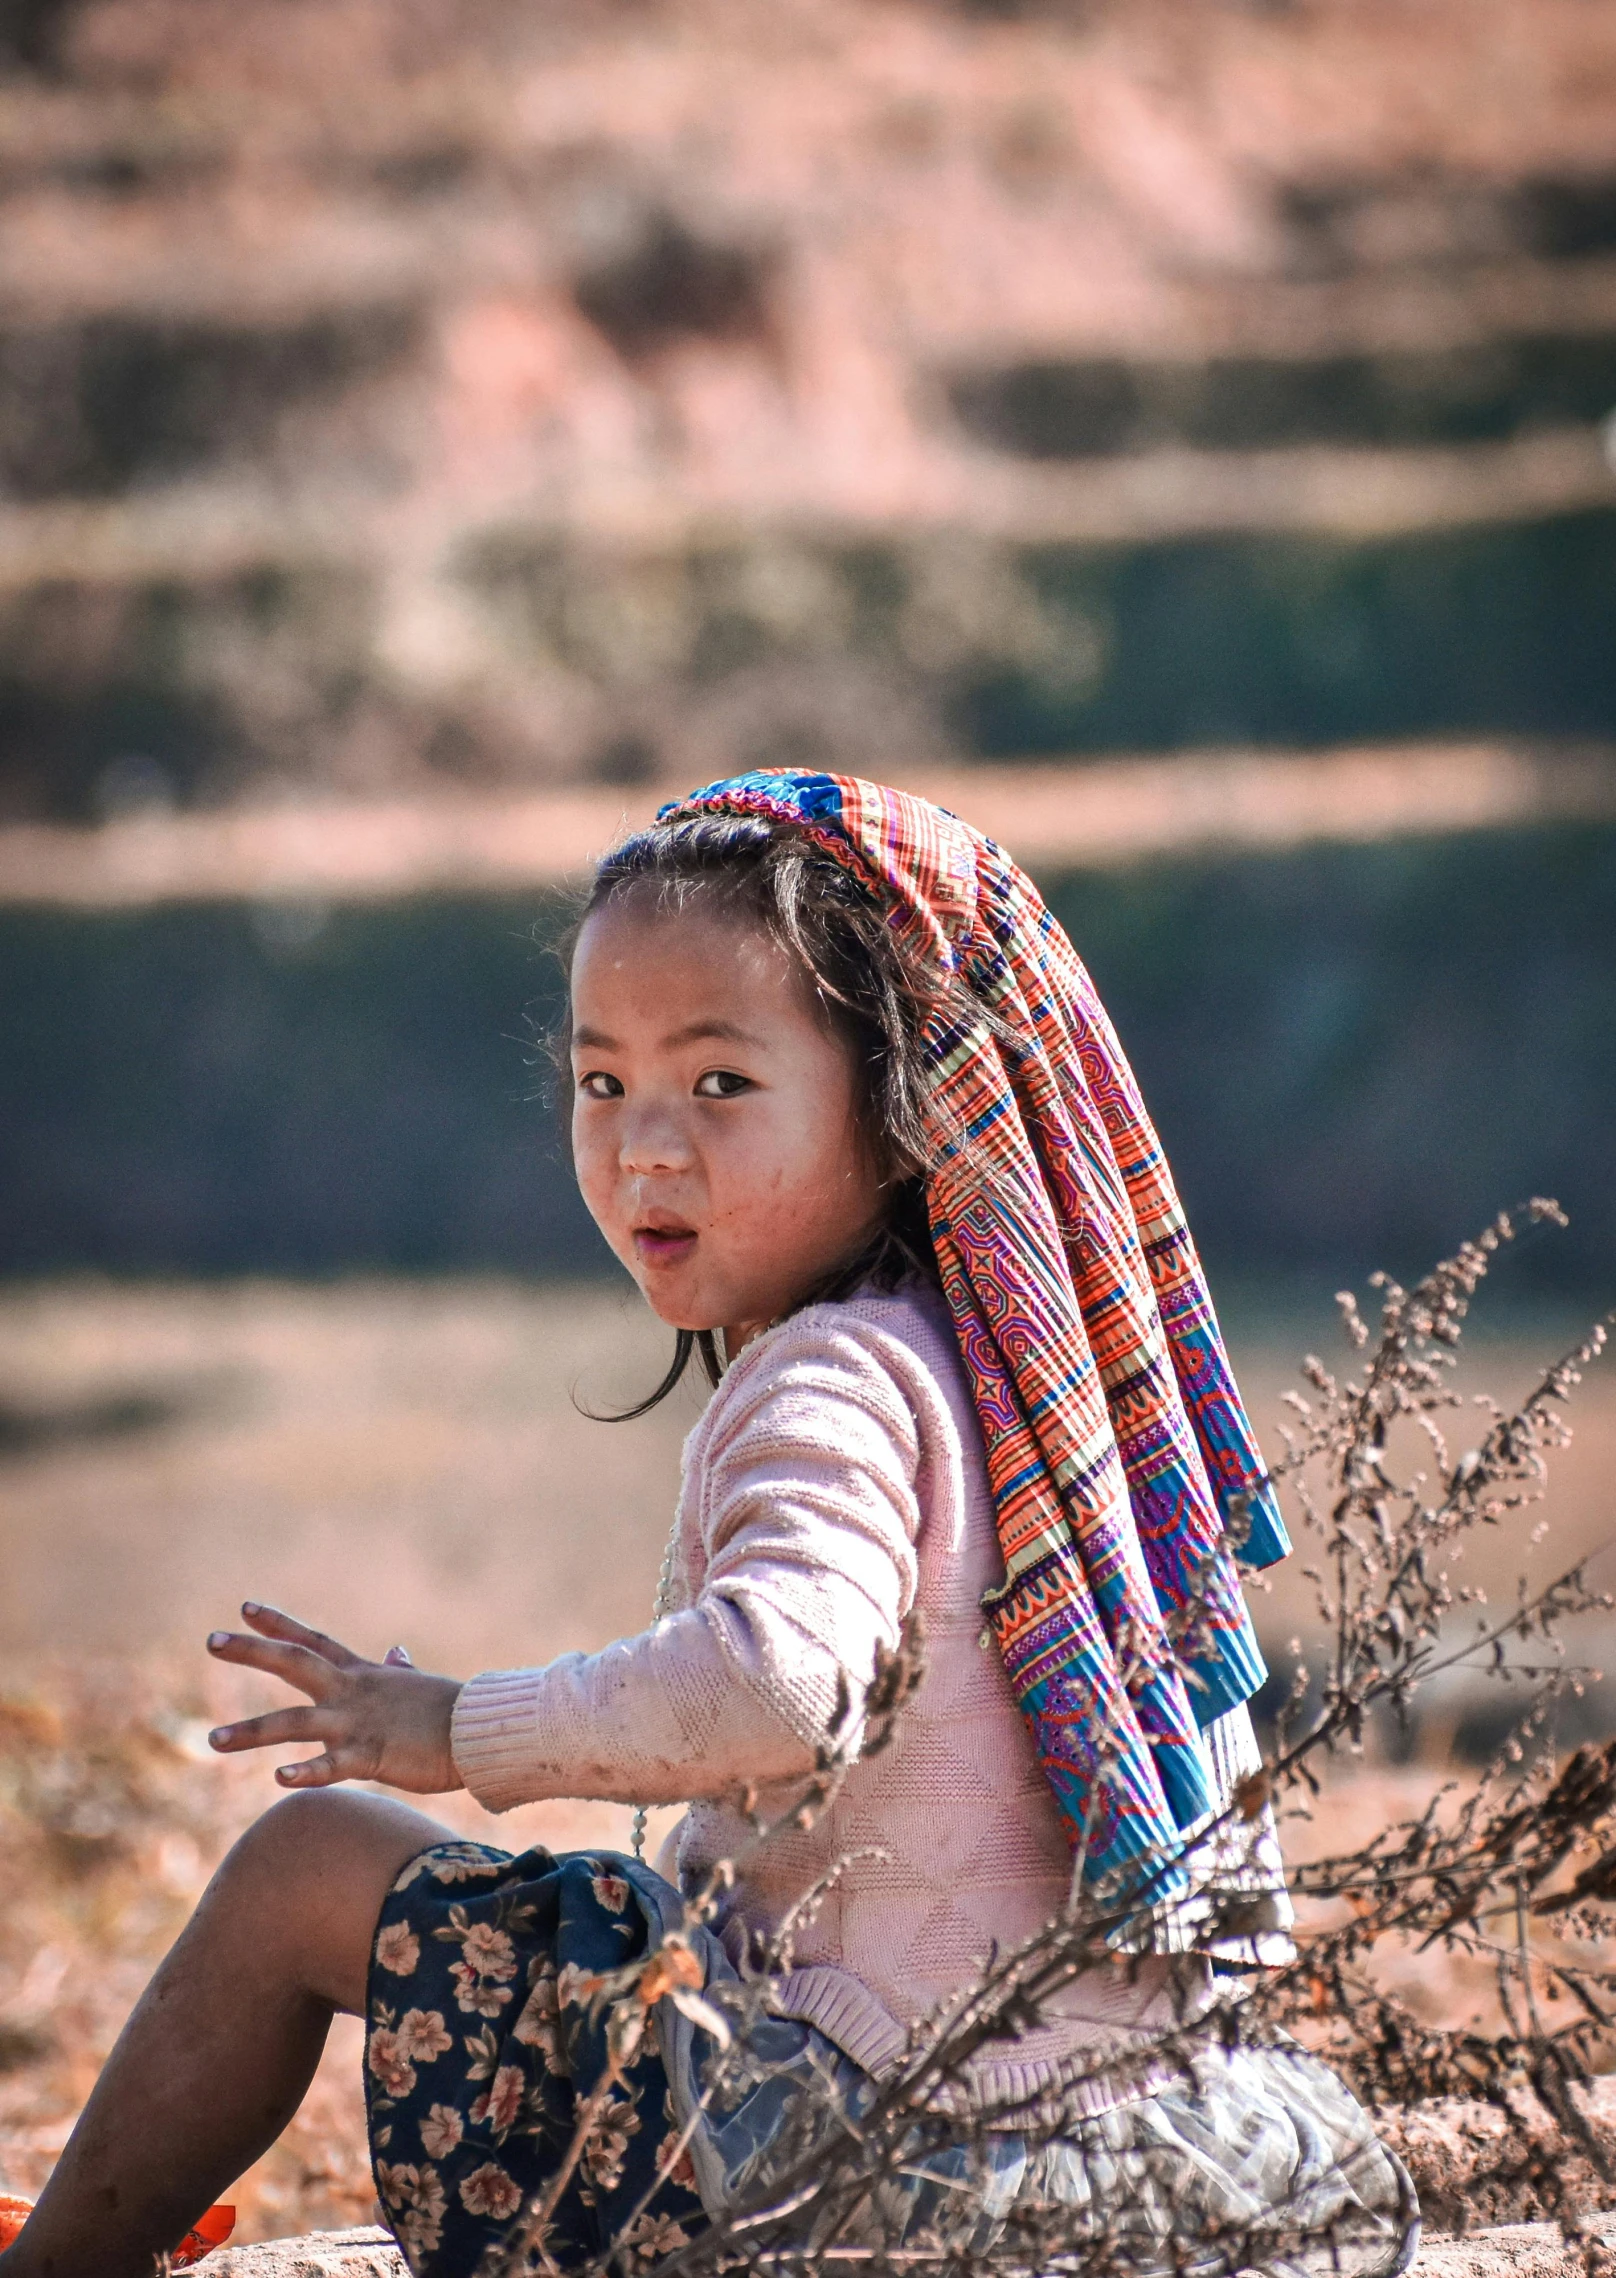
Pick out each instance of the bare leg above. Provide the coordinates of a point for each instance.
(222, 2044)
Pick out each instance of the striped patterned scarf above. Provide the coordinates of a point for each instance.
(1116, 1440)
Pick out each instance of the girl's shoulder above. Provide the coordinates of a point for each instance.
(914, 1316)
(891, 1353)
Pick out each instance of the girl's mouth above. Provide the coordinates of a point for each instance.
(663, 1245)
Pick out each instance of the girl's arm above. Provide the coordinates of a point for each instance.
(809, 1517)
(809, 1523)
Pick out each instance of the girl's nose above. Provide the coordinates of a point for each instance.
(654, 1141)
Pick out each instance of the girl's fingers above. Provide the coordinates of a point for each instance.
(269, 1621)
(295, 1665)
(313, 1772)
(271, 1731)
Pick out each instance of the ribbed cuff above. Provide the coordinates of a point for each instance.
(494, 1737)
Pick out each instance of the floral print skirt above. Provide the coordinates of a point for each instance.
(479, 2054)
(482, 2047)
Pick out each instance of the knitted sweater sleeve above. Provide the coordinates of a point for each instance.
(809, 1514)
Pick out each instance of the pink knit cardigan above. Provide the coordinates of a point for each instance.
(835, 1481)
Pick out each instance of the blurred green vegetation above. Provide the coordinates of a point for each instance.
(1009, 648)
(1501, 629)
(1355, 1054)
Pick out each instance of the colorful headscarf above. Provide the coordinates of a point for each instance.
(1115, 1435)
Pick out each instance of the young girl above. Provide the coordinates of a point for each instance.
(845, 1105)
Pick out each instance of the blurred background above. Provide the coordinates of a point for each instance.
(1181, 434)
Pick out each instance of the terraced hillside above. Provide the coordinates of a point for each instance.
(395, 395)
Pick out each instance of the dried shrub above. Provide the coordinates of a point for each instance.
(1516, 1871)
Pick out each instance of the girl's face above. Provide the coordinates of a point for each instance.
(713, 1125)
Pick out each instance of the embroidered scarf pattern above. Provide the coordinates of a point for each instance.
(1115, 1435)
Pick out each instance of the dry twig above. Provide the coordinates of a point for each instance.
(1519, 1872)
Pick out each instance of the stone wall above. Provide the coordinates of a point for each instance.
(1516, 2250)
(1449, 2147)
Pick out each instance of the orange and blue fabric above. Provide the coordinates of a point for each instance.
(1122, 1466)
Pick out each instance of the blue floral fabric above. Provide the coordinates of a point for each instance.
(480, 2048)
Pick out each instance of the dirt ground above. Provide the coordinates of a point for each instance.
(399, 1462)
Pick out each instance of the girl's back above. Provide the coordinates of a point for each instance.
(855, 1420)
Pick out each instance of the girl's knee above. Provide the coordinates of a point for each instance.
(323, 1836)
(298, 1896)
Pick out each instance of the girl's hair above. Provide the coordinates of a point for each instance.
(872, 990)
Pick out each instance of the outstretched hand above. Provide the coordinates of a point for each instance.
(375, 1720)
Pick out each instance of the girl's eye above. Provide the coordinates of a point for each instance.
(598, 1085)
(721, 1083)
